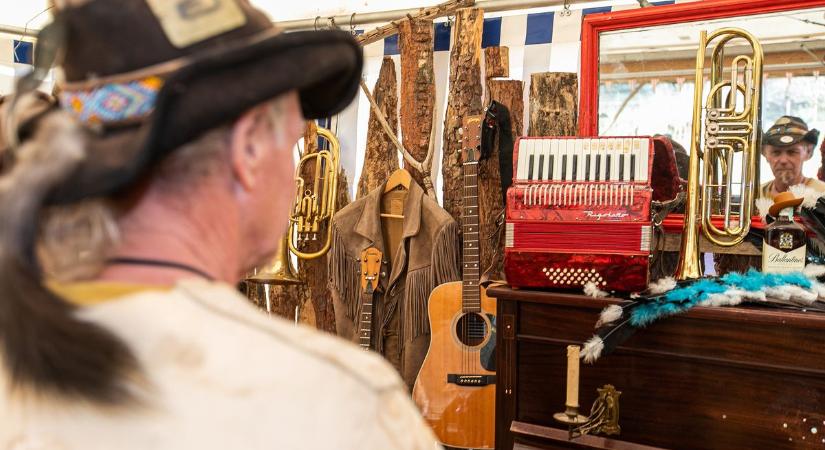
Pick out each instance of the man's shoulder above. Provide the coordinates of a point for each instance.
(227, 327)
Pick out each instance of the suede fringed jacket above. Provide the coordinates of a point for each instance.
(427, 257)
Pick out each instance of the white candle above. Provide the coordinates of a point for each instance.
(572, 376)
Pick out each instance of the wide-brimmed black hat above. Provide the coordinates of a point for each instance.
(146, 76)
(788, 130)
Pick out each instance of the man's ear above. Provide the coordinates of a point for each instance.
(244, 151)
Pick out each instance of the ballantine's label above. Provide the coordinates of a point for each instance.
(775, 260)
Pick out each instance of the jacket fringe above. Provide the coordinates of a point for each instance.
(343, 274)
(421, 282)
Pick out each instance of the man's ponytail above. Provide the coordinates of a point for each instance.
(45, 347)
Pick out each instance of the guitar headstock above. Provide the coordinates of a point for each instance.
(370, 269)
(471, 139)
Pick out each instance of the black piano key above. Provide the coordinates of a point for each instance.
(541, 167)
(550, 169)
(575, 166)
(599, 167)
(564, 167)
(632, 167)
(621, 167)
(607, 168)
(587, 168)
(530, 168)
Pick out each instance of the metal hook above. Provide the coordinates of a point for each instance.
(316, 22)
(352, 24)
(566, 11)
(331, 23)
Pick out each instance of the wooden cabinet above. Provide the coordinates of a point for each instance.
(725, 378)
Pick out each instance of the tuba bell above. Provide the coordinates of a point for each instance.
(732, 114)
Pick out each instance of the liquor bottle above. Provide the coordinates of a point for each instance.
(784, 247)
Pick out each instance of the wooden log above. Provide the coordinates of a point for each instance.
(464, 100)
(496, 62)
(381, 157)
(417, 90)
(509, 93)
(553, 104)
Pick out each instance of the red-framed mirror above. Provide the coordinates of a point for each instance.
(605, 36)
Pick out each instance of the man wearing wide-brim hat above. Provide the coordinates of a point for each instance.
(786, 146)
(133, 205)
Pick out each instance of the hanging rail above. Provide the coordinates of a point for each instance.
(389, 16)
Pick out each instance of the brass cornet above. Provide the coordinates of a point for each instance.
(311, 218)
(732, 115)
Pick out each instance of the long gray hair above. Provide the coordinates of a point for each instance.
(44, 345)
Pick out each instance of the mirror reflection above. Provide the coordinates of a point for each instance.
(646, 81)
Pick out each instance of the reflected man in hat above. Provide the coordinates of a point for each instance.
(133, 206)
(786, 146)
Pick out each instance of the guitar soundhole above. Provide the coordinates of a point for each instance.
(471, 329)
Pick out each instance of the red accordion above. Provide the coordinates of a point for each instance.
(579, 211)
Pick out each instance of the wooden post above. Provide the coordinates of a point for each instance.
(496, 62)
(381, 157)
(509, 93)
(553, 104)
(464, 100)
(417, 89)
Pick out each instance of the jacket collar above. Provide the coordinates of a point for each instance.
(369, 223)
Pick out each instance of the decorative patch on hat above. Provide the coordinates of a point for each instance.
(188, 22)
(786, 139)
(114, 102)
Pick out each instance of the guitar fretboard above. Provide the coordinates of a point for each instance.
(471, 297)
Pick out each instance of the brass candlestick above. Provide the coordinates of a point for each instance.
(604, 414)
(570, 416)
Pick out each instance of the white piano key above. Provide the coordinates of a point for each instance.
(627, 151)
(546, 151)
(593, 145)
(602, 160)
(570, 150)
(580, 159)
(556, 154)
(614, 147)
(644, 163)
(521, 170)
(532, 160)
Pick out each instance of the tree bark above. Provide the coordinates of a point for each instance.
(464, 100)
(381, 157)
(553, 104)
(496, 62)
(417, 89)
(509, 93)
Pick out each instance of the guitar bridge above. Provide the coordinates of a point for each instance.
(471, 380)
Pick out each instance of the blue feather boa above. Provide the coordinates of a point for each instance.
(682, 299)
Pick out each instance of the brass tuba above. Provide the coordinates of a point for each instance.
(312, 213)
(311, 218)
(732, 114)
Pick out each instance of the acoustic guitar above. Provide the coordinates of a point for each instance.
(455, 388)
